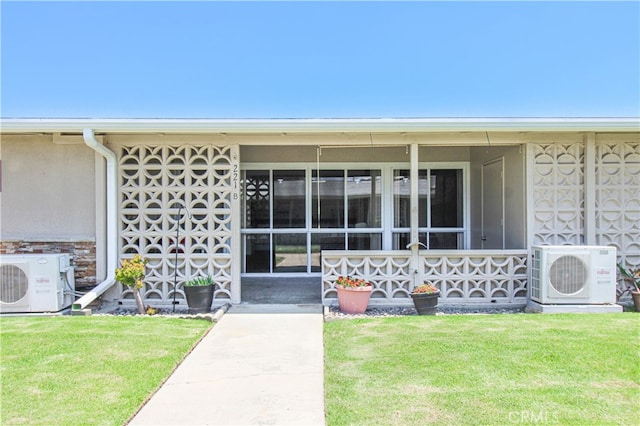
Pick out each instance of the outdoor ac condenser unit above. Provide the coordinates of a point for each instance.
(36, 283)
(573, 275)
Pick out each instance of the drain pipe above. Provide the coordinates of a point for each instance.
(112, 237)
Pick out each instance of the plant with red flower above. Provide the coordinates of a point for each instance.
(425, 288)
(349, 281)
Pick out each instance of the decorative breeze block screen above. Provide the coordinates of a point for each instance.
(558, 194)
(154, 182)
(618, 199)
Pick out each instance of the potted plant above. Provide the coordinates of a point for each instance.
(353, 294)
(425, 299)
(632, 278)
(131, 274)
(199, 294)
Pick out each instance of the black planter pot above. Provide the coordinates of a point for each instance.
(426, 304)
(635, 296)
(199, 298)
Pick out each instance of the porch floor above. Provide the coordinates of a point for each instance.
(281, 290)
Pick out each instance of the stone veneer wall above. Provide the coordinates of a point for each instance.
(83, 256)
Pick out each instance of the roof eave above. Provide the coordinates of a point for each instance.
(381, 125)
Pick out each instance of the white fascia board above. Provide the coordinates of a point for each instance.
(274, 126)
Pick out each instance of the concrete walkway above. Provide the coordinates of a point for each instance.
(259, 365)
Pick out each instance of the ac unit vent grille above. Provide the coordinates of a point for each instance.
(568, 274)
(14, 283)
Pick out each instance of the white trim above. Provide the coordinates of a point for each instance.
(318, 125)
(237, 257)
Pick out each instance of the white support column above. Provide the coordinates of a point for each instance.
(236, 217)
(589, 188)
(415, 217)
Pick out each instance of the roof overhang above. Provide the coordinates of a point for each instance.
(301, 125)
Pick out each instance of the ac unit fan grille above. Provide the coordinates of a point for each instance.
(14, 284)
(568, 274)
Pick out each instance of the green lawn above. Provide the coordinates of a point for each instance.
(87, 370)
(578, 369)
(473, 369)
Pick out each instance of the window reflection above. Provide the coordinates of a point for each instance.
(364, 190)
(257, 253)
(290, 252)
(289, 199)
(324, 241)
(329, 187)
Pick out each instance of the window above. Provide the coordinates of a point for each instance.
(256, 199)
(327, 199)
(289, 199)
(440, 208)
(291, 215)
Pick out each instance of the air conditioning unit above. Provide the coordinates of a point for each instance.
(573, 275)
(36, 283)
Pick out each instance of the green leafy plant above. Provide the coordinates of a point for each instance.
(131, 274)
(425, 288)
(349, 281)
(630, 276)
(199, 281)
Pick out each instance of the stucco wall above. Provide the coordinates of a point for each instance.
(48, 189)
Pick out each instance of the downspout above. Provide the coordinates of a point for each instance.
(111, 211)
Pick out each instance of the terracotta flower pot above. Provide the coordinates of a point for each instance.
(353, 300)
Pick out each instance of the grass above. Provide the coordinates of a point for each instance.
(578, 369)
(94, 370)
(479, 369)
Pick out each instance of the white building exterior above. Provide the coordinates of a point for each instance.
(458, 202)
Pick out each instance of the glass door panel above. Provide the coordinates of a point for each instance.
(324, 241)
(256, 199)
(446, 198)
(290, 252)
(257, 252)
(289, 193)
(364, 191)
(371, 241)
(446, 240)
(330, 241)
(402, 198)
(330, 188)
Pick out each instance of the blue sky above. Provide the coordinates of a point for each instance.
(320, 59)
